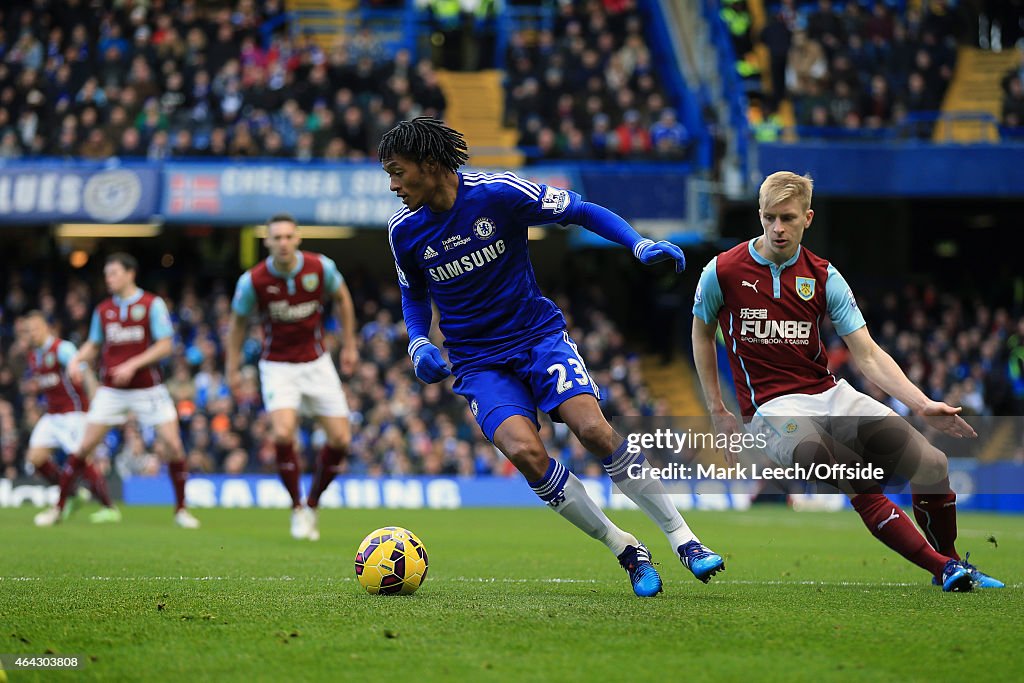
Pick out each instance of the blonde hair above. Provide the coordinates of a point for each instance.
(784, 185)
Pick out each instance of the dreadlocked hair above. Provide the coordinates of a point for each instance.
(425, 138)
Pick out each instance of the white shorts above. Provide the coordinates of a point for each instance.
(151, 406)
(59, 430)
(788, 420)
(312, 388)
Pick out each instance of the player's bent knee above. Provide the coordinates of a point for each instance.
(529, 458)
(933, 466)
(597, 436)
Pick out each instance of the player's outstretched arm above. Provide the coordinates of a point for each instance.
(879, 367)
(233, 351)
(90, 383)
(85, 355)
(66, 352)
(705, 358)
(614, 228)
(349, 348)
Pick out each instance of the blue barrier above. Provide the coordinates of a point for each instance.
(216, 490)
(873, 169)
(1002, 484)
(639, 190)
(266, 491)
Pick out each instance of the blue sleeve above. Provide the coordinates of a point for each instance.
(417, 314)
(65, 351)
(160, 320)
(842, 304)
(96, 329)
(332, 276)
(415, 297)
(244, 300)
(605, 223)
(535, 204)
(708, 299)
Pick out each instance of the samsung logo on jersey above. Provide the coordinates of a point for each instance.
(461, 266)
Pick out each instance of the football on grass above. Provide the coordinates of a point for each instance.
(391, 561)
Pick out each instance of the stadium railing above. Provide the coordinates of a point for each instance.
(732, 91)
(658, 25)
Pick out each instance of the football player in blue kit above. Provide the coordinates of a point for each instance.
(461, 241)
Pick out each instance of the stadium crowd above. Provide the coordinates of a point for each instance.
(856, 68)
(588, 89)
(400, 425)
(178, 79)
(963, 352)
(182, 79)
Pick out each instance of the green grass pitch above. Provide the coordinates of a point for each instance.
(512, 595)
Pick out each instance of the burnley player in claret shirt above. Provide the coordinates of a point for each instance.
(63, 424)
(132, 333)
(769, 296)
(297, 375)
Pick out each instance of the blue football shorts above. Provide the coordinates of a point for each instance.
(541, 377)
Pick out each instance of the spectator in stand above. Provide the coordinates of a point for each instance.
(825, 27)
(1013, 105)
(669, 137)
(632, 138)
(777, 37)
(97, 146)
(806, 66)
(877, 106)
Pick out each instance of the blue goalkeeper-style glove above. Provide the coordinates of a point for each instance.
(649, 251)
(427, 362)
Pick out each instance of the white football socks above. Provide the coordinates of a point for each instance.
(566, 495)
(648, 493)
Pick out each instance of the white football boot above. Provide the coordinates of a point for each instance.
(185, 520)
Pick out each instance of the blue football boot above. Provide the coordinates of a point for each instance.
(980, 578)
(700, 560)
(636, 560)
(956, 578)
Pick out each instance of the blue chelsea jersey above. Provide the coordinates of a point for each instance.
(473, 261)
